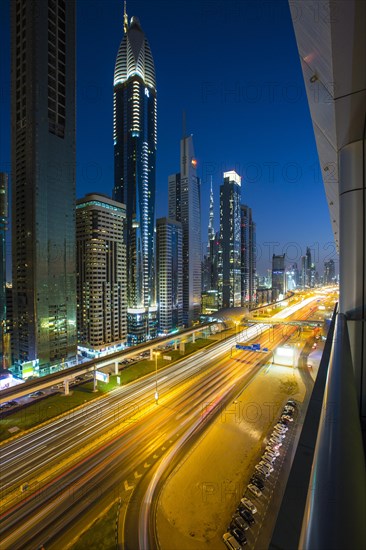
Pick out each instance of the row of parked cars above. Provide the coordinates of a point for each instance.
(235, 538)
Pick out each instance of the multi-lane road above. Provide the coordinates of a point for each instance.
(57, 478)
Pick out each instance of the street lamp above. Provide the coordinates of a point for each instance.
(236, 330)
(156, 353)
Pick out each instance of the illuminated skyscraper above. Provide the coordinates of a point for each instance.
(43, 180)
(135, 142)
(229, 263)
(211, 230)
(248, 256)
(3, 227)
(185, 206)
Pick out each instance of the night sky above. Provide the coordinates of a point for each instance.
(233, 67)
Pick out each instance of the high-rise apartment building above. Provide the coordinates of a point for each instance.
(185, 206)
(229, 263)
(248, 256)
(169, 270)
(43, 180)
(278, 276)
(135, 142)
(101, 271)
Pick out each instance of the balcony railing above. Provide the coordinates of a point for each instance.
(324, 505)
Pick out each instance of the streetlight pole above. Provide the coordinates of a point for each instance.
(156, 353)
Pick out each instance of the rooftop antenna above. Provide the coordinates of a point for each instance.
(125, 19)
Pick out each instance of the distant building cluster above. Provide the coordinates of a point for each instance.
(101, 272)
(229, 265)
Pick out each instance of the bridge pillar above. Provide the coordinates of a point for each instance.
(95, 382)
(193, 338)
(175, 345)
(151, 354)
(66, 386)
(116, 367)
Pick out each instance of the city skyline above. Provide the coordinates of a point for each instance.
(276, 171)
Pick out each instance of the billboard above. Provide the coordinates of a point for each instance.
(102, 376)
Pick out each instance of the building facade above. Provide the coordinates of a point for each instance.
(43, 180)
(329, 272)
(278, 276)
(135, 142)
(3, 228)
(101, 272)
(207, 259)
(229, 262)
(248, 256)
(169, 270)
(184, 203)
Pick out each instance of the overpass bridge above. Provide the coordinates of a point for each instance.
(295, 323)
(67, 375)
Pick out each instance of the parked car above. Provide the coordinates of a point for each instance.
(238, 521)
(239, 535)
(262, 470)
(278, 436)
(258, 481)
(271, 449)
(278, 431)
(245, 514)
(266, 466)
(269, 457)
(274, 440)
(286, 417)
(249, 504)
(231, 542)
(253, 489)
(292, 403)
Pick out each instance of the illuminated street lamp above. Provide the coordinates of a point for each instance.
(156, 353)
(236, 329)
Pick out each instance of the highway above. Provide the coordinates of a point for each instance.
(103, 450)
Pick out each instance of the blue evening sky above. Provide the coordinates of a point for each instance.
(233, 67)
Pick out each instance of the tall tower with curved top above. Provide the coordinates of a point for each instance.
(135, 141)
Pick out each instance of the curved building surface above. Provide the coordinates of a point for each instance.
(135, 143)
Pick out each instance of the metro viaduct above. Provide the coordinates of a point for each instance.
(67, 375)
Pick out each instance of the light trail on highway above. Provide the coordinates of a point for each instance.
(184, 388)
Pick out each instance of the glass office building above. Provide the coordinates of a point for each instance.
(43, 180)
(135, 142)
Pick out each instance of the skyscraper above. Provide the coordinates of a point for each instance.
(169, 274)
(229, 269)
(3, 227)
(101, 271)
(248, 256)
(278, 276)
(185, 206)
(43, 179)
(135, 141)
(211, 230)
(207, 259)
(329, 272)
